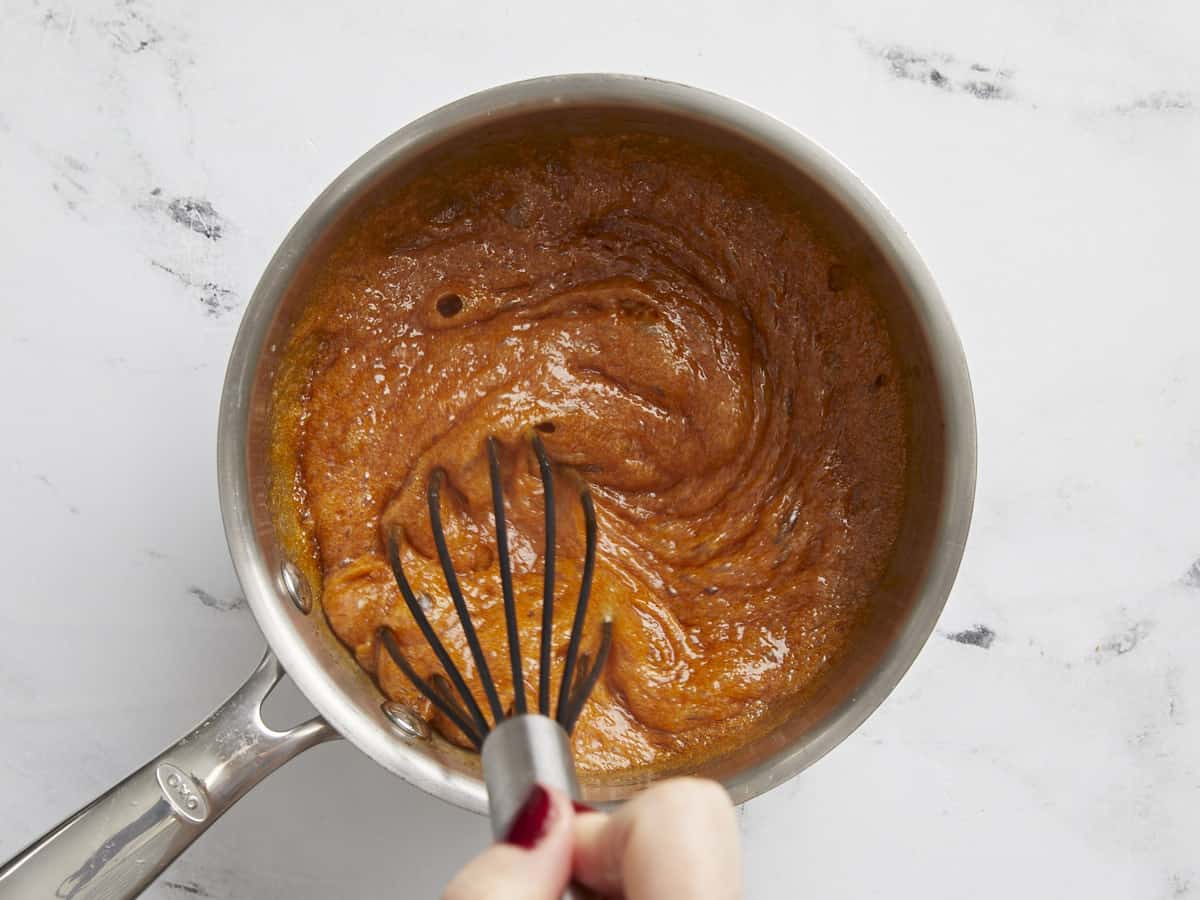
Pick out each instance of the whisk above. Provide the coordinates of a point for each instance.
(524, 748)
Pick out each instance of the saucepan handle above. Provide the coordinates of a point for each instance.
(116, 845)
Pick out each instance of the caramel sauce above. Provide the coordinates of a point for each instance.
(684, 340)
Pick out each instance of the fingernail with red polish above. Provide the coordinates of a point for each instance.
(583, 807)
(529, 825)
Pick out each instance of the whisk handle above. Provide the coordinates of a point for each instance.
(116, 845)
(522, 752)
(518, 754)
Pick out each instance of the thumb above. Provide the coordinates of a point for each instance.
(533, 863)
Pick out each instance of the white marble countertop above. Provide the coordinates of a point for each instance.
(1045, 158)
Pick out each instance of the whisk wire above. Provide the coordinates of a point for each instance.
(441, 684)
(548, 584)
(583, 690)
(585, 589)
(435, 643)
(580, 670)
(450, 710)
(506, 582)
(456, 595)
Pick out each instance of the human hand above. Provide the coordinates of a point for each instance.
(677, 840)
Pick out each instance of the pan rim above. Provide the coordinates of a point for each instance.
(647, 95)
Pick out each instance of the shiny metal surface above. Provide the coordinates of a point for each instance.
(296, 587)
(408, 724)
(117, 844)
(519, 753)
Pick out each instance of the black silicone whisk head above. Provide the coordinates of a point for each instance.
(449, 692)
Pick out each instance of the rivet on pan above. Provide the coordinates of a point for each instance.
(407, 722)
(296, 587)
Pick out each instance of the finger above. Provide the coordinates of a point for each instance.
(678, 839)
(534, 864)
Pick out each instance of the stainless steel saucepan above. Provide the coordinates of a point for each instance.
(116, 845)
